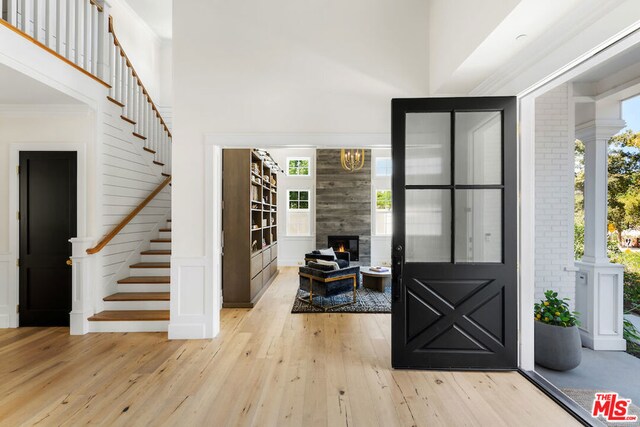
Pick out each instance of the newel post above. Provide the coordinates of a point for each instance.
(82, 279)
(104, 43)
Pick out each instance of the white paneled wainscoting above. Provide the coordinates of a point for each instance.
(8, 269)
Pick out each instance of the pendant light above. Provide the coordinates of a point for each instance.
(352, 159)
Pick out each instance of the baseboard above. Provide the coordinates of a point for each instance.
(291, 262)
(187, 331)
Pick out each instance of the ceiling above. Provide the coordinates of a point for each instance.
(17, 88)
(156, 13)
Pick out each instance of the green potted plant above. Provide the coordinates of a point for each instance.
(557, 340)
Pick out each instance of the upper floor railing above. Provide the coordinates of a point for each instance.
(80, 32)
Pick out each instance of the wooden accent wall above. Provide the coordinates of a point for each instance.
(343, 201)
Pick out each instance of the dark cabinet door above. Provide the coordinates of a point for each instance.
(454, 233)
(47, 222)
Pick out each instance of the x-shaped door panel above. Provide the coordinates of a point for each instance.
(462, 316)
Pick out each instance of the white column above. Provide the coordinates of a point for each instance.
(599, 283)
(83, 277)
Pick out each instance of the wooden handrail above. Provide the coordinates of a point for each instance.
(135, 74)
(97, 5)
(106, 239)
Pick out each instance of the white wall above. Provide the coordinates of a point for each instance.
(143, 47)
(166, 74)
(554, 144)
(291, 249)
(456, 29)
(44, 126)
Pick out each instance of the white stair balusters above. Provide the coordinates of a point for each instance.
(12, 12)
(81, 31)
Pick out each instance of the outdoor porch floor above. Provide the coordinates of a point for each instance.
(268, 367)
(614, 371)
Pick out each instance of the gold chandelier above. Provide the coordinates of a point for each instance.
(352, 159)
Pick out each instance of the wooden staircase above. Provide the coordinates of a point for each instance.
(142, 301)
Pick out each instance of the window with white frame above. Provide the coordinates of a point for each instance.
(383, 166)
(298, 166)
(298, 213)
(383, 212)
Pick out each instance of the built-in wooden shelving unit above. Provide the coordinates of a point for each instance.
(250, 226)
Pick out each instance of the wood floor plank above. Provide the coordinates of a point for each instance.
(267, 367)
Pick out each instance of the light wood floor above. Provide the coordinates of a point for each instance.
(268, 367)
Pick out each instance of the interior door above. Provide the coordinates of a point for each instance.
(47, 222)
(454, 233)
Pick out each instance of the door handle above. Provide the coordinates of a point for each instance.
(69, 262)
(398, 264)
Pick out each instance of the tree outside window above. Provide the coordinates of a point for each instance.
(298, 167)
(383, 213)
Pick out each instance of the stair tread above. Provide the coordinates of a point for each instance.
(146, 280)
(165, 230)
(151, 265)
(138, 296)
(130, 315)
(168, 220)
(160, 240)
(156, 252)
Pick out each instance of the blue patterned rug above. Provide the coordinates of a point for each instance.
(368, 301)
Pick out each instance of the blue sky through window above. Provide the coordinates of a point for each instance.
(631, 113)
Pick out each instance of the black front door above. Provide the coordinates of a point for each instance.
(47, 222)
(454, 233)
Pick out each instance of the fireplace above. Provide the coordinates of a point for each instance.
(349, 244)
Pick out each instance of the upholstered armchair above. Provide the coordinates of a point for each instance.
(322, 280)
(342, 258)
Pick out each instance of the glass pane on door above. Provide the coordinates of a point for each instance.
(428, 225)
(478, 221)
(428, 149)
(478, 148)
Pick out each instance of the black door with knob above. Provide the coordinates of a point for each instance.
(454, 233)
(47, 222)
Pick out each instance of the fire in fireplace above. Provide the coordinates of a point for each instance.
(349, 244)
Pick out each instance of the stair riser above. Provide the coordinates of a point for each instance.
(154, 272)
(164, 235)
(155, 258)
(136, 305)
(137, 287)
(130, 326)
(161, 246)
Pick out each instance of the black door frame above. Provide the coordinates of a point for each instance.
(15, 201)
(508, 105)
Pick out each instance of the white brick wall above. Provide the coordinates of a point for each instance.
(554, 194)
